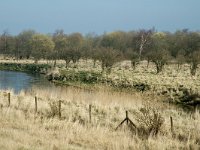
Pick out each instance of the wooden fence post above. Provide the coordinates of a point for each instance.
(35, 104)
(127, 117)
(90, 116)
(127, 120)
(8, 99)
(172, 126)
(59, 109)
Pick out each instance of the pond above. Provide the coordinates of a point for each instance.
(18, 81)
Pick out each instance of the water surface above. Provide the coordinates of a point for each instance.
(18, 81)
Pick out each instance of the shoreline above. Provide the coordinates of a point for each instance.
(90, 80)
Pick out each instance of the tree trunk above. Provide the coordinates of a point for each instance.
(133, 64)
(159, 66)
(102, 67)
(193, 68)
(179, 66)
(141, 49)
(54, 65)
(158, 69)
(148, 61)
(67, 62)
(141, 46)
(108, 70)
(36, 61)
(94, 63)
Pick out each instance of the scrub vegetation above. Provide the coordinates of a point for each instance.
(22, 128)
(154, 76)
(159, 48)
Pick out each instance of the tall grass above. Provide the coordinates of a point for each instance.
(21, 128)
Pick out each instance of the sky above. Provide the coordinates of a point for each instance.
(98, 16)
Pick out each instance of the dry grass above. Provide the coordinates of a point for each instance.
(171, 77)
(20, 128)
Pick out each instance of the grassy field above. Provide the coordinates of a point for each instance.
(171, 84)
(21, 128)
(170, 77)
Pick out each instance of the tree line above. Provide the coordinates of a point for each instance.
(182, 46)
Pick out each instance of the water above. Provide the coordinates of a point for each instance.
(18, 81)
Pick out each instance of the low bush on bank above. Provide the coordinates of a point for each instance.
(33, 68)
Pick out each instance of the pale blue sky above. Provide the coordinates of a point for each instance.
(98, 16)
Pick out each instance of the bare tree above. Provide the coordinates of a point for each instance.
(144, 39)
(6, 43)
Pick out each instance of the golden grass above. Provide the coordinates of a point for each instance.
(122, 72)
(20, 128)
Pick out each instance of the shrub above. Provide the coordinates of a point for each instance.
(54, 109)
(149, 119)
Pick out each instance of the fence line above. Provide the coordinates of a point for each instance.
(127, 119)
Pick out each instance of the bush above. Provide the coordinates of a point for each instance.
(81, 76)
(54, 109)
(149, 119)
(32, 68)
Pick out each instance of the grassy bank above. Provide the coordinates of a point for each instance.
(31, 68)
(172, 85)
(22, 128)
(175, 85)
